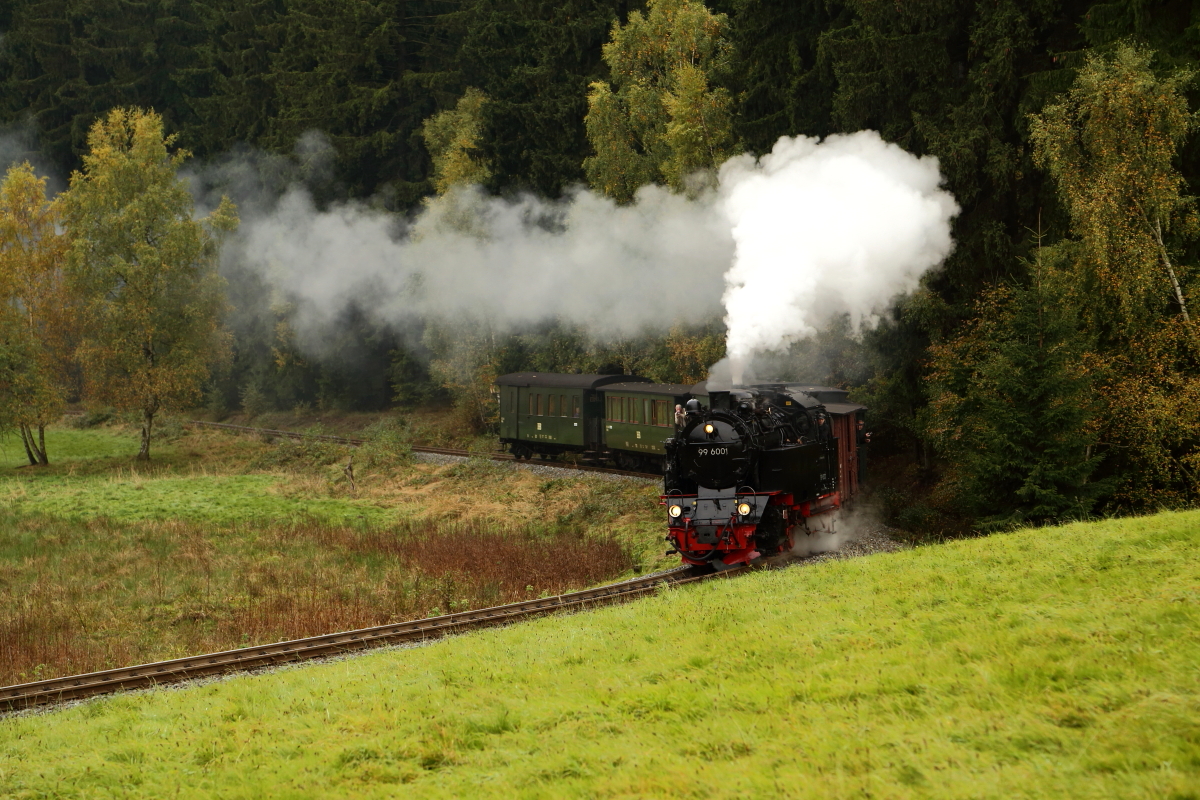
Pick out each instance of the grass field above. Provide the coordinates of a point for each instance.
(229, 540)
(1052, 663)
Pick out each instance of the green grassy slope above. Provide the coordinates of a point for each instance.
(1049, 663)
(92, 475)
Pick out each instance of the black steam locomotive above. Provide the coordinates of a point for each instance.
(757, 467)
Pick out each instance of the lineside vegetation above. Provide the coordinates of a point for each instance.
(229, 540)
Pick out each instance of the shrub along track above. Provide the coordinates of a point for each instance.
(78, 687)
(445, 451)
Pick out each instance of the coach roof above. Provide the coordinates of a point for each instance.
(553, 380)
(627, 387)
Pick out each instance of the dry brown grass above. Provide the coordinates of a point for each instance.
(78, 597)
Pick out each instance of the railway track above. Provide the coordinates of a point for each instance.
(445, 451)
(92, 684)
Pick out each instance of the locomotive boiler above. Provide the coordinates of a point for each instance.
(758, 467)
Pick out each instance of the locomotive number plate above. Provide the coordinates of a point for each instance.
(712, 451)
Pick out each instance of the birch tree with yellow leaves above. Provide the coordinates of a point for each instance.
(146, 270)
(1112, 145)
(40, 325)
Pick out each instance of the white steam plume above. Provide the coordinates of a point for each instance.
(823, 228)
(810, 230)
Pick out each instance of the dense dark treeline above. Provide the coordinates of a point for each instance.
(953, 79)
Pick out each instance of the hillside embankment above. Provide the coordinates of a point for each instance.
(1057, 662)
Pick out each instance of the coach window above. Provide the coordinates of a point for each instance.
(541, 407)
(575, 407)
(562, 405)
(552, 402)
(532, 407)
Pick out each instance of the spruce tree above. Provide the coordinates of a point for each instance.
(1012, 408)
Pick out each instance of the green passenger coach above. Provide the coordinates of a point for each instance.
(547, 414)
(639, 417)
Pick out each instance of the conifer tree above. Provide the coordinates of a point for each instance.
(146, 271)
(1012, 409)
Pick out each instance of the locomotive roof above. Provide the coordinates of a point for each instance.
(651, 388)
(554, 380)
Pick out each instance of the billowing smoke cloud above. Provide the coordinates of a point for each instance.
(810, 230)
(841, 226)
(614, 269)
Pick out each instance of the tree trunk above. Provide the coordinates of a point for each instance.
(147, 427)
(1162, 249)
(35, 450)
(25, 440)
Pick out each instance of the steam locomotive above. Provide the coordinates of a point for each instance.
(759, 466)
(749, 470)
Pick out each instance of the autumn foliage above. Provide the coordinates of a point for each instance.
(39, 324)
(145, 270)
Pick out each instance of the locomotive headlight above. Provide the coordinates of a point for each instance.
(674, 511)
(744, 509)
(708, 427)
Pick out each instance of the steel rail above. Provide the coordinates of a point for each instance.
(92, 684)
(445, 451)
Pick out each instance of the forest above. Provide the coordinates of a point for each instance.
(1048, 370)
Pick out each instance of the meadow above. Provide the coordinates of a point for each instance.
(1049, 663)
(224, 541)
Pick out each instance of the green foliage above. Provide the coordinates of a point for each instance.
(388, 444)
(145, 270)
(351, 70)
(534, 60)
(1012, 408)
(664, 116)
(785, 89)
(70, 61)
(254, 401)
(306, 453)
(464, 358)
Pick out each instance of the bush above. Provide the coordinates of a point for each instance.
(388, 444)
(254, 400)
(91, 418)
(303, 453)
